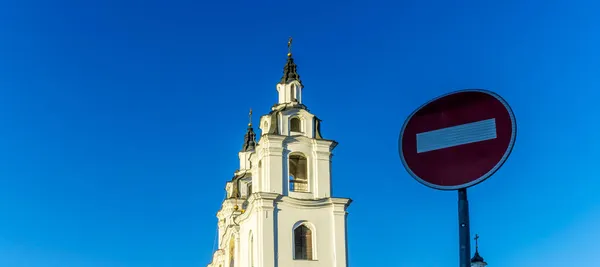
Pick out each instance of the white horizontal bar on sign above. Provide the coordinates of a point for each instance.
(456, 135)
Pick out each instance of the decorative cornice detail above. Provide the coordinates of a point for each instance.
(272, 137)
(324, 143)
(313, 203)
(266, 195)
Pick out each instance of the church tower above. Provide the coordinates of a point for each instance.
(279, 210)
(477, 260)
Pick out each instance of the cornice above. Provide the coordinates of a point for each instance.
(259, 201)
(296, 138)
(313, 203)
(281, 107)
(265, 195)
(341, 201)
(273, 138)
(326, 143)
(298, 109)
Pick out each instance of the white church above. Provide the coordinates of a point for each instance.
(279, 210)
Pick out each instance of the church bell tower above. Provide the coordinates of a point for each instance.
(279, 210)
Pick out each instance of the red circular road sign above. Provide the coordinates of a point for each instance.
(457, 140)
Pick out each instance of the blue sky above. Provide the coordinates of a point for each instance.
(120, 122)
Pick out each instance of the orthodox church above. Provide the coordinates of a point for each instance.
(279, 210)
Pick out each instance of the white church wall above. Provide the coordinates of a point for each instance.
(248, 224)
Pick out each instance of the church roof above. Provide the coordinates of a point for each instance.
(477, 257)
(290, 72)
(250, 137)
(249, 140)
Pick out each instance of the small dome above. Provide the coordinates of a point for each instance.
(477, 258)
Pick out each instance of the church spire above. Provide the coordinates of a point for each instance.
(250, 137)
(477, 260)
(289, 70)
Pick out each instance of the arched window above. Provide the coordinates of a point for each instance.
(303, 249)
(251, 251)
(295, 125)
(298, 173)
(293, 91)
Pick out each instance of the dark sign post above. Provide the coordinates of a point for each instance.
(456, 141)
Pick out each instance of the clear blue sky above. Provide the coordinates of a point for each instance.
(120, 122)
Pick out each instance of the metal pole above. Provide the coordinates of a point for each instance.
(464, 234)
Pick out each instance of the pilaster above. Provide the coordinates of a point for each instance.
(266, 241)
(340, 231)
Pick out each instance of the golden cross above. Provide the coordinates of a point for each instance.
(290, 47)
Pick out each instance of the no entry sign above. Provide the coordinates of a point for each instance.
(457, 140)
